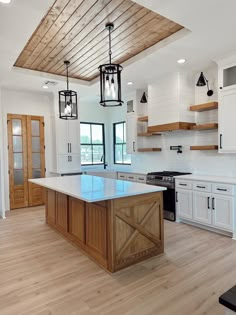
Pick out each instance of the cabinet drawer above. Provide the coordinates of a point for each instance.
(223, 189)
(132, 177)
(202, 186)
(141, 178)
(184, 184)
(122, 176)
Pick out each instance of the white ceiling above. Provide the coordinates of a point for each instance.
(211, 22)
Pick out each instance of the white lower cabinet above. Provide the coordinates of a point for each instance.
(184, 203)
(207, 207)
(68, 163)
(222, 211)
(201, 207)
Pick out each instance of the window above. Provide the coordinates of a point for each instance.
(120, 155)
(92, 143)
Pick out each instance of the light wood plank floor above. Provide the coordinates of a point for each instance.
(42, 274)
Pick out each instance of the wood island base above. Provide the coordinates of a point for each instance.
(115, 233)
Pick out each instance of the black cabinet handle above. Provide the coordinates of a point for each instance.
(183, 184)
(221, 141)
(213, 203)
(208, 202)
(221, 189)
(176, 196)
(68, 159)
(68, 148)
(201, 186)
(134, 146)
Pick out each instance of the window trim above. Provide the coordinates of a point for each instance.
(114, 143)
(91, 144)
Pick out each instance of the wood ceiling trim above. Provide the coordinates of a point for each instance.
(75, 30)
(41, 30)
(119, 15)
(64, 24)
(133, 40)
(100, 44)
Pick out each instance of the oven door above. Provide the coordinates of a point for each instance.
(169, 204)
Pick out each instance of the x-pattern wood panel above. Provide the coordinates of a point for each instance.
(75, 30)
(135, 224)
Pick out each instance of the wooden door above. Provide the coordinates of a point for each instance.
(26, 159)
(17, 156)
(36, 161)
(77, 219)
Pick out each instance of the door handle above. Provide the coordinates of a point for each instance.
(221, 141)
(208, 202)
(176, 196)
(213, 203)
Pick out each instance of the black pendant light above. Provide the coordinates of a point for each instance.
(143, 98)
(68, 101)
(202, 81)
(110, 79)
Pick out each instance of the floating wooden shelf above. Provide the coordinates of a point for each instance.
(143, 118)
(204, 107)
(204, 147)
(148, 134)
(171, 126)
(149, 149)
(209, 126)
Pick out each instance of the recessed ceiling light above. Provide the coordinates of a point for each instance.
(45, 86)
(5, 1)
(181, 60)
(130, 83)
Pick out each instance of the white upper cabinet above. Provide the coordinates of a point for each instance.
(131, 133)
(227, 126)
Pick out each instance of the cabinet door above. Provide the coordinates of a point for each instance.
(96, 230)
(77, 219)
(74, 136)
(131, 133)
(222, 212)
(227, 126)
(68, 163)
(51, 207)
(184, 204)
(62, 212)
(62, 142)
(202, 207)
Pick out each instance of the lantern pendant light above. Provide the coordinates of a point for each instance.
(110, 79)
(68, 101)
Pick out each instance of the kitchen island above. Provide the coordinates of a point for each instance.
(117, 223)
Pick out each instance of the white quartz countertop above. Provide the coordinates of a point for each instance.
(94, 188)
(209, 178)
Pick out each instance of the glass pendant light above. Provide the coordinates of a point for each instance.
(68, 101)
(110, 79)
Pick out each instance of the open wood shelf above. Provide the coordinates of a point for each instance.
(204, 107)
(204, 147)
(143, 118)
(148, 134)
(209, 126)
(149, 149)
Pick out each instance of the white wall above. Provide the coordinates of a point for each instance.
(26, 103)
(2, 196)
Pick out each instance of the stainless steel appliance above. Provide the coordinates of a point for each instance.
(166, 179)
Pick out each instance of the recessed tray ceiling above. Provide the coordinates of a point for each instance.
(75, 30)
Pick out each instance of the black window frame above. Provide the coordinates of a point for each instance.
(120, 143)
(103, 145)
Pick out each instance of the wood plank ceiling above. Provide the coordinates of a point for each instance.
(74, 30)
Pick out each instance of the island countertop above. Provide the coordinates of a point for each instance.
(93, 188)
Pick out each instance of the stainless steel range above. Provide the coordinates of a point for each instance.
(166, 179)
